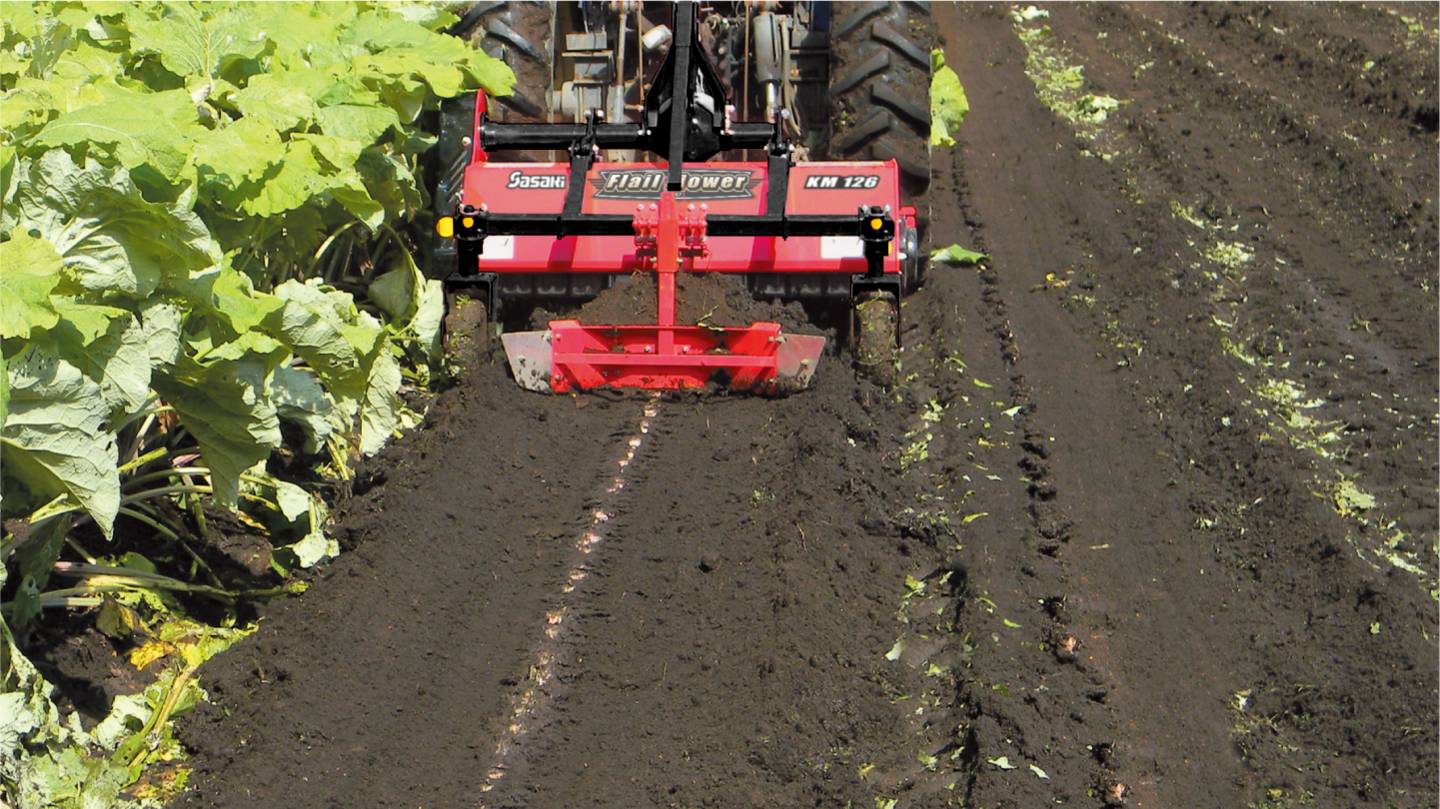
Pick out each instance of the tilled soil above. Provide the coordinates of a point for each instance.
(1109, 542)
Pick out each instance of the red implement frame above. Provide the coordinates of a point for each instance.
(663, 356)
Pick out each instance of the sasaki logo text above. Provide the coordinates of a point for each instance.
(519, 179)
(697, 184)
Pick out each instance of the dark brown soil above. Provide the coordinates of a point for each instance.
(1111, 551)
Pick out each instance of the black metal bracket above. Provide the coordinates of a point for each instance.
(877, 231)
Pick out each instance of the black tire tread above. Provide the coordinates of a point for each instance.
(879, 50)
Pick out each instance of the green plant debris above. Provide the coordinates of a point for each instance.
(1002, 762)
(918, 450)
(1292, 414)
(1232, 256)
(1349, 499)
(1405, 560)
(1039, 773)
(1060, 80)
(914, 587)
(955, 254)
(1010, 623)
(1187, 213)
(62, 765)
(948, 104)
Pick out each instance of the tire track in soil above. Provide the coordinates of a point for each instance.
(1174, 621)
(731, 646)
(533, 703)
(1095, 505)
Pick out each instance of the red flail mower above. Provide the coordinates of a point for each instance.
(835, 227)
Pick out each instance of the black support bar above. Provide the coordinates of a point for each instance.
(680, 93)
(521, 137)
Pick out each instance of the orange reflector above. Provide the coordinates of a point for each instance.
(445, 227)
(468, 222)
(876, 224)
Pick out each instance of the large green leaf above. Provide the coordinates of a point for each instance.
(21, 18)
(443, 77)
(303, 34)
(240, 151)
(69, 779)
(110, 238)
(273, 100)
(118, 359)
(430, 15)
(54, 438)
(303, 515)
(4, 394)
(493, 75)
(141, 128)
(161, 321)
(192, 40)
(389, 182)
(361, 123)
(948, 104)
(32, 271)
(301, 400)
(323, 327)
(226, 406)
(52, 38)
(26, 712)
(232, 296)
(301, 177)
(416, 305)
(380, 416)
(350, 353)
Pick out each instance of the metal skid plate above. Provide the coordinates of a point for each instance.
(529, 353)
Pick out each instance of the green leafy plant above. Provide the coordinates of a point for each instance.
(206, 213)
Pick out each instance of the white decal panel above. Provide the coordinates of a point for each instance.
(499, 247)
(841, 247)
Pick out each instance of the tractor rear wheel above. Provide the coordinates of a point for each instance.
(880, 99)
(517, 33)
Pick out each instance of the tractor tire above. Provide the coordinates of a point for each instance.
(519, 34)
(874, 339)
(880, 99)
